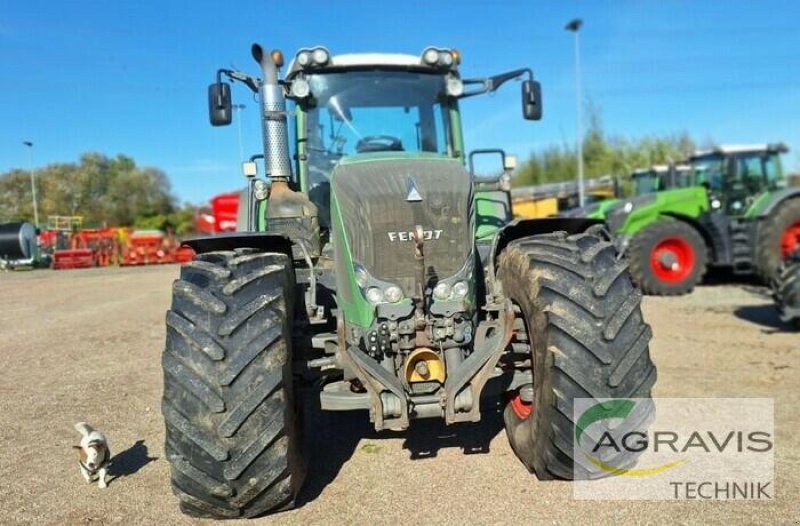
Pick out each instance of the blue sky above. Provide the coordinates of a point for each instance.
(130, 77)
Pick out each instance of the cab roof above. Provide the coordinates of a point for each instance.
(731, 149)
(378, 60)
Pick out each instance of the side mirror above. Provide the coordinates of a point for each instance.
(219, 104)
(531, 100)
(249, 169)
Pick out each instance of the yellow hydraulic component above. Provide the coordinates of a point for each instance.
(535, 207)
(602, 193)
(424, 365)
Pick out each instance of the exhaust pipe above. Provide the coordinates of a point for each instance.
(273, 119)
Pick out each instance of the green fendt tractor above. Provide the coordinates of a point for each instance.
(660, 177)
(738, 213)
(374, 263)
(657, 178)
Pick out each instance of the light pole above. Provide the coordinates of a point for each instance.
(574, 26)
(29, 144)
(239, 108)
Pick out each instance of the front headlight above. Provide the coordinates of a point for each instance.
(374, 295)
(460, 290)
(442, 291)
(393, 294)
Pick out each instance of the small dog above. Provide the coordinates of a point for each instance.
(93, 454)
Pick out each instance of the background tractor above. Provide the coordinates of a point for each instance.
(374, 263)
(738, 213)
(657, 178)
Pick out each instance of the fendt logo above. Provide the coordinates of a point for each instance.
(409, 236)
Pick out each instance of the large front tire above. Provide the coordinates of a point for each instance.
(580, 313)
(233, 434)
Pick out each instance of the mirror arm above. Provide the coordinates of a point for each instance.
(491, 84)
(251, 82)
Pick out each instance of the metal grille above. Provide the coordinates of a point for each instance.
(378, 220)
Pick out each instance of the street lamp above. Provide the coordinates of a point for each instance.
(239, 108)
(574, 26)
(29, 144)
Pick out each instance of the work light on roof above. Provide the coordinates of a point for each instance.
(320, 56)
(440, 57)
(304, 58)
(313, 57)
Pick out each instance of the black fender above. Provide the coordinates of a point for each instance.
(266, 241)
(777, 198)
(520, 228)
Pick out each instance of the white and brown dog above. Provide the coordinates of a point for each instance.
(93, 454)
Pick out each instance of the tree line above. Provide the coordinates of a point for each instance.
(603, 154)
(103, 190)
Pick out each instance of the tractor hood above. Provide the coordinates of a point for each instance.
(382, 197)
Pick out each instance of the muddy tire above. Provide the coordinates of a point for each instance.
(233, 433)
(667, 258)
(778, 235)
(579, 312)
(786, 290)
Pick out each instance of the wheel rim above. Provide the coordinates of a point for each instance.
(521, 408)
(672, 259)
(790, 239)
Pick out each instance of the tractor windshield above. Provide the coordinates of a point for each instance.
(646, 183)
(709, 171)
(375, 111)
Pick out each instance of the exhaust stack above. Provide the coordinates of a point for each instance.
(273, 119)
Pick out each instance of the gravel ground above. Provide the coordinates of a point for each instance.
(85, 345)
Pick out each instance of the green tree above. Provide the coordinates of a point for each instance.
(603, 154)
(103, 190)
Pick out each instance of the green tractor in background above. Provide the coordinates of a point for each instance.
(661, 177)
(737, 213)
(657, 178)
(374, 268)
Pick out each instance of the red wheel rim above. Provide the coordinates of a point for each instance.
(790, 239)
(522, 408)
(672, 259)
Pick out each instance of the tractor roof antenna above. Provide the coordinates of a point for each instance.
(277, 161)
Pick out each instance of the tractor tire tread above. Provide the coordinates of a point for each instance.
(588, 336)
(233, 437)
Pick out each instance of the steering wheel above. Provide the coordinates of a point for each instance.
(379, 143)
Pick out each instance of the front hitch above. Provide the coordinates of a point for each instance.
(419, 267)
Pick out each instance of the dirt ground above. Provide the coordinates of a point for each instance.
(85, 345)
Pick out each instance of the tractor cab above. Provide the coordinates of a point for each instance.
(660, 177)
(737, 176)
